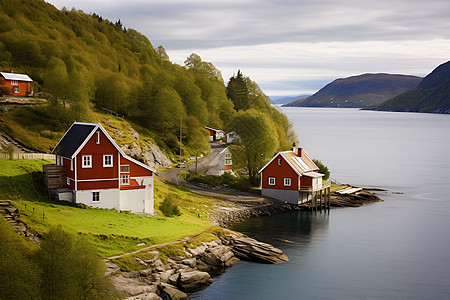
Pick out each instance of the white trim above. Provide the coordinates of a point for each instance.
(104, 161)
(93, 197)
(97, 141)
(276, 155)
(99, 126)
(270, 179)
(86, 166)
(124, 182)
(71, 165)
(287, 180)
(68, 181)
(76, 175)
(94, 180)
(124, 166)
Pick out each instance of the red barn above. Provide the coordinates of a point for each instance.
(99, 174)
(291, 176)
(17, 84)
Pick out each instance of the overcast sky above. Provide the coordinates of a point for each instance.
(291, 47)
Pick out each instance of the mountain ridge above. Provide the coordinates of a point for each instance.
(360, 91)
(432, 95)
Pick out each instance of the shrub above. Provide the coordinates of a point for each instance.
(169, 208)
(322, 169)
(9, 150)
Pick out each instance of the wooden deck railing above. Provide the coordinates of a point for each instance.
(325, 184)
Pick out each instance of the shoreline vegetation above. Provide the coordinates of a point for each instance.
(161, 267)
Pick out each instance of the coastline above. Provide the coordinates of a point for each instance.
(195, 268)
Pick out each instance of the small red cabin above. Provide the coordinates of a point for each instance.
(99, 174)
(215, 134)
(291, 176)
(16, 84)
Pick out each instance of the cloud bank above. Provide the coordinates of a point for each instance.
(291, 47)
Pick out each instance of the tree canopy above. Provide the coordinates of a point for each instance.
(83, 61)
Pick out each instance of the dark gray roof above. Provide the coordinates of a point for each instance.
(73, 139)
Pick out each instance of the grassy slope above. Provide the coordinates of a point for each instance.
(112, 232)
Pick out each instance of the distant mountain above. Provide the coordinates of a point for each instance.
(432, 95)
(284, 100)
(360, 91)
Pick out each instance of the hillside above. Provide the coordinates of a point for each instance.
(288, 99)
(82, 63)
(432, 95)
(359, 91)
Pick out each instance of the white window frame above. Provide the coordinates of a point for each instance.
(71, 165)
(16, 89)
(228, 162)
(68, 181)
(95, 196)
(271, 180)
(279, 161)
(127, 167)
(98, 138)
(86, 161)
(124, 179)
(14, 82)
(111, 164)
(287, 182)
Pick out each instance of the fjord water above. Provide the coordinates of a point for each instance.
(395, 249)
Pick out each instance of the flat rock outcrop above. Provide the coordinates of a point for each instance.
(252, 250)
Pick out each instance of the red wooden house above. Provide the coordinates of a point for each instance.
(291, 176)
(16, 84)
(215, 134)
(99, 174)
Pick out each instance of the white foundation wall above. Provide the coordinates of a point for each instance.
(133, 200)
(108, 198)
(140, 200)
(282, 195)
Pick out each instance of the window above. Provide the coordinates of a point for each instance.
(98, 138)
(87, 161)
(228, 162)
(14, 82)
(271, 180)
(107, 160)
(68, 181)
(71, 165)
(95, 196)
(124, 179)
(227, 155)
(279, 161)
(16, 89)
(287, 182)
(125, 169)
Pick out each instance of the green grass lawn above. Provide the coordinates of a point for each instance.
(114, 233)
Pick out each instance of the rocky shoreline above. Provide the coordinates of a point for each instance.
(192, 271)
(242, 211)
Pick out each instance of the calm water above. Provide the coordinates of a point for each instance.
(396, 249)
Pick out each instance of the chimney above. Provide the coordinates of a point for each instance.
(294, 147)
(299, 152)
(11, 71)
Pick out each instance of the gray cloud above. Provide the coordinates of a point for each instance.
(282, 43)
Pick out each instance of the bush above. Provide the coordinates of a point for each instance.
(9, 150)
(322, 169)
(169, 208)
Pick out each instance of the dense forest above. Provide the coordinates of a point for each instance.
(83, 62)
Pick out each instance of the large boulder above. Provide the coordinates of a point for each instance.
(169, 292)
(193, 280)
(253, 250)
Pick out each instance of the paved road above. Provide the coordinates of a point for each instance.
(209, 164)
